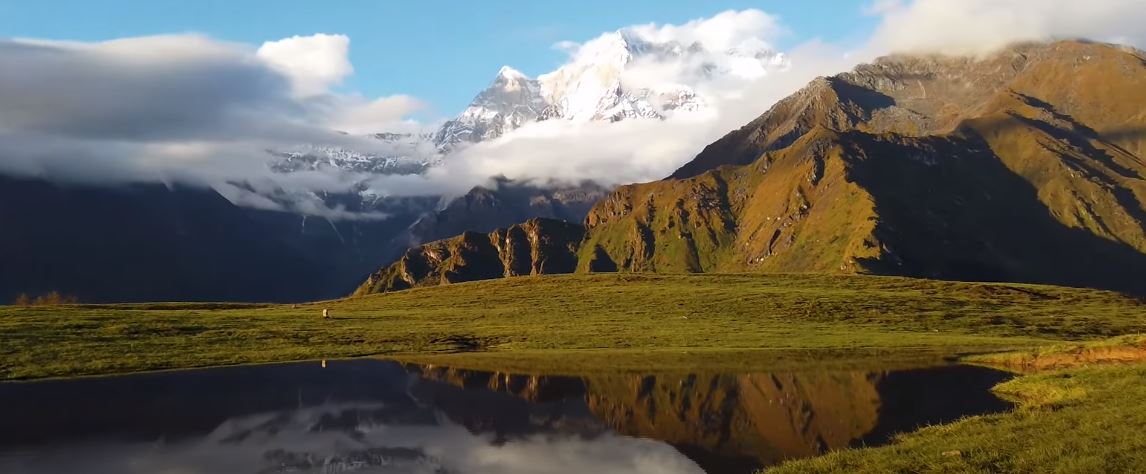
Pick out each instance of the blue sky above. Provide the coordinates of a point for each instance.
(442, 52)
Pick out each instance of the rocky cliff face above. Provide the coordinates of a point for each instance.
(537, 246)
(1023, 166)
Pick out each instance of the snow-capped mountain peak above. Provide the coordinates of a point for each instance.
(616, 76)
(510, 101)
(511, 75)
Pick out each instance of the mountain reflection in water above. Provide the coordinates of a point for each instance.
(381, 417)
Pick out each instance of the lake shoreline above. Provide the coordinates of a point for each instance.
(674, 323)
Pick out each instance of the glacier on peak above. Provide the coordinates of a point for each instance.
(617, 76)
(510, 101)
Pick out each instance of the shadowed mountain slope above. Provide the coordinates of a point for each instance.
(149, 242)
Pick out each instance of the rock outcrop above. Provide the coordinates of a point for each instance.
(537, 246)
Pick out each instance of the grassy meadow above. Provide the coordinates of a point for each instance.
(531, 321)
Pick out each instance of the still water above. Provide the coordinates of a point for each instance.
(373, 416)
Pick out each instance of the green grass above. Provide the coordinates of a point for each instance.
(534, 320)
(589, 362)
(1079, 420)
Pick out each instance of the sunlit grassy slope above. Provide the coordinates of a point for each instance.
(581, 315)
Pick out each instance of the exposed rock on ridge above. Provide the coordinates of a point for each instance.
(537, 246)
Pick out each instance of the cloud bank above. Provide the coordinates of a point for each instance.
(180, 108)
(979, 26)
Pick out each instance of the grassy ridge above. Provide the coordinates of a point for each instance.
(535, 317)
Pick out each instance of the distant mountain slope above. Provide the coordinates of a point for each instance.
(1022, 166)
(152, 243)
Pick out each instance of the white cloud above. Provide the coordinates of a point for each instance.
(170, 108)
(609, 153)
(359, 115)
(314, 63)
(979, 26)
(720, 32)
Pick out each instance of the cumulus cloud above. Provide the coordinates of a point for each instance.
(722, 31)
(313, 63)
(979, 26)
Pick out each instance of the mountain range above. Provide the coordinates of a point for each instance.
(149, 242)
(1024, 165)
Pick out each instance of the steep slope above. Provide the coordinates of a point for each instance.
(1022, 166)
